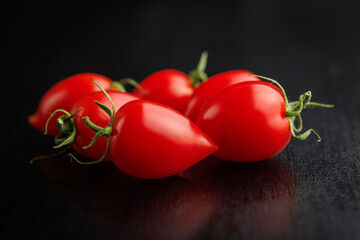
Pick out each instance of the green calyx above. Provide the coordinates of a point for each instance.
(122, 83)
(100, 131)
(65, 123)
(198, 75)
(294, 109)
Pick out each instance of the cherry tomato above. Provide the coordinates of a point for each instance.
(168, 86)
(62, 96)
(172, 87)
(213, 85)
(88, 108)
(253, 121)
(151, 140)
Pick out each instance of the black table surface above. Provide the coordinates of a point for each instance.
(309, 191)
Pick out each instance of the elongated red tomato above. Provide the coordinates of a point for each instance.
(88, 108)
(63, 95)
(213, 85)
(151, 140)
(253, 121)
(247, 121)
(168, 86)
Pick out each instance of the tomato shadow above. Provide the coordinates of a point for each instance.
(113, 204)
(211, 197)
(63, 172)
(254, 199)
(171, 208)
(249, 199)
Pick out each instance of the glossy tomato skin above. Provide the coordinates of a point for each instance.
(151, 140)
(169, 86)
(247, 121)
(63, 95)
(213, 85)
(88, 108)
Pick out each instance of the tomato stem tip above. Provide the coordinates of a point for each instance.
(198, 75)
(294, 109)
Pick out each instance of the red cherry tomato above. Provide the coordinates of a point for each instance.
(151, 140)
(253, 121)
(88, 108)
(172, 87)
(169, 86)
(213, 85)
(62, 96)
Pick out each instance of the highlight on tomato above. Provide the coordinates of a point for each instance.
(62, 95)
(213, 85)
(172, 87)
(75, 133)
(253, 121)
(150, 140)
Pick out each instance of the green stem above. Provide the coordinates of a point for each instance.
(102, 132)
(66, 126)
(299, 126)
(294, 109)
(322, 105)
(99, 130)
(276, 84)
(110, 113)
(198, 75)
(93, 162)
(54, 155)
(91, 125)
(304, 135)
(134, 83)
(129, 81)
(66, 138)
(52, 115)
(121, 84)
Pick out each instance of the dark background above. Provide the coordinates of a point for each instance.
(309, 191)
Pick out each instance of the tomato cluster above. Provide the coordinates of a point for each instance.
(171, 120)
